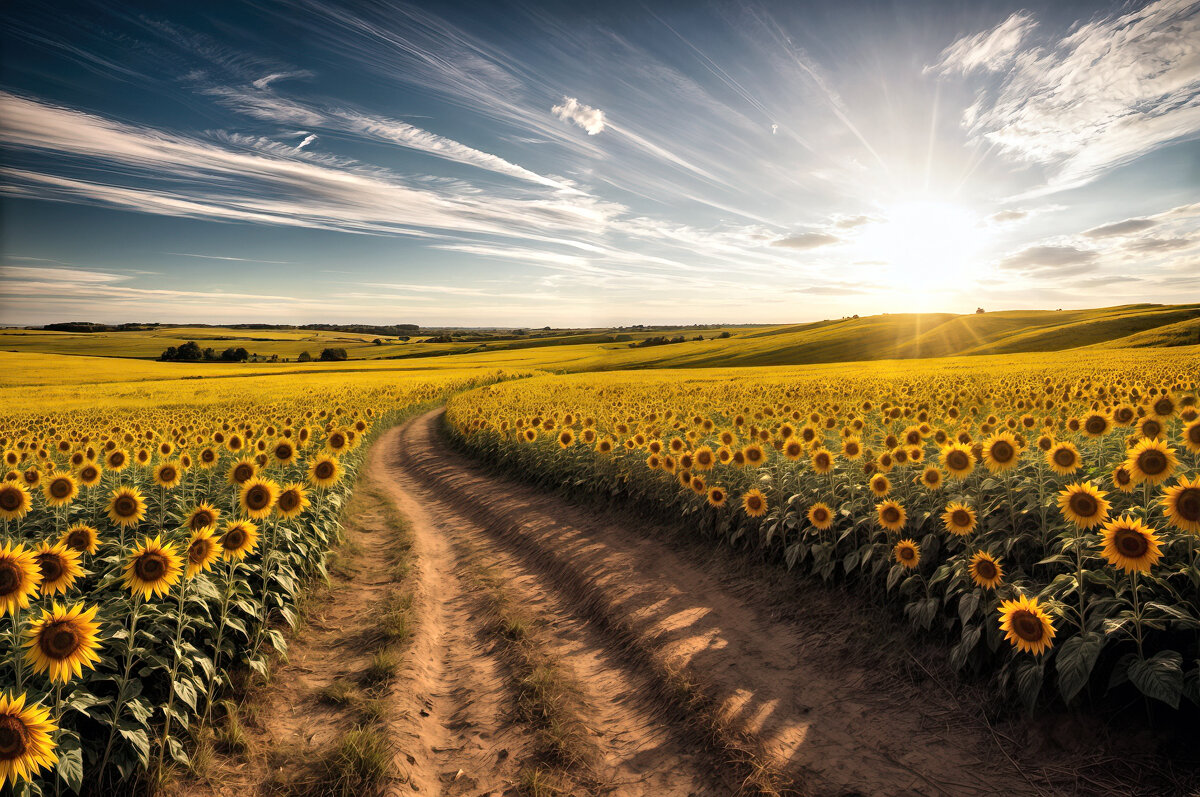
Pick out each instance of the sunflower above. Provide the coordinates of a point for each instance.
(1122, 479)
(957, 459)
(19, 577)
(238, 539)
(1151, 461)
(852, 448)
(1027, 625)
(880, 485)
(153, 568)
(242, 471)
(907, 553)
(168, 475)
(26, 740)
(959, 519)
(89, 474)
(14, 500)
(81, 538)
(59, 566)
(1191, 436)
(755, 503)
(283, 451)
(208, 457)
(820, 515)
(1083, 504)
(1164, 407)
(1131, 545)
(985, 571)
(1181, 503)
(1094, 425)
(1150, 428)
(292, 501)
(891, 515)
(931, 477)
(566, 438)
(202, 550)
(325, 471)
(1000, 452)
(822, 461)
(1063, 459)
(127, 507)
(116, 460)
(754, 454)
(63, 641)
(717, 497)
(258, 497)
(203, 516)
(60, 489)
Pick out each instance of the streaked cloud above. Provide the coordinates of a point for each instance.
(989, 50)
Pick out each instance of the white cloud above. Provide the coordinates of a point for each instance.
(990, 50)
(267, 80)
(310, 138)
(1113, 90)
(572, 110)
(806, 240)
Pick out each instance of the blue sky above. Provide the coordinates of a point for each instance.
(581, 164)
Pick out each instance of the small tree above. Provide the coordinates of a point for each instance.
(304, 357)
(334, 355)
(978, 311)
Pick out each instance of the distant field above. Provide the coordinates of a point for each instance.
(880, 337)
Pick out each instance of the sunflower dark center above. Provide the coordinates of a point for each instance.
(167, 474)
(78, 540)
(1027, 626)
(957, 460)
(234, 539)
(891, 514)
(1131, 544)
(1084, 505)
(289, 500)
(125, 506)
(1095, 425)
(1064, 457)
(1152, 428)
(242, 473)
(1187, 504)
(1193, 433)
(985, 570)
(907, 553)
(60, 488)
(819, 515)
(283, 451)
(150, 566)
(58, 641)
(823, 460)
(51, 566)
(960, 517)
(324, 470)
(1152, 462)
(10, 577)
(754, 502)
(1002, 451)
(198, 551)
(116, 459)
(13, 738)
(1164, 406)
(10, 499)
(202, 520)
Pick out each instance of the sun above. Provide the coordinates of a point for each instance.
(925, 243)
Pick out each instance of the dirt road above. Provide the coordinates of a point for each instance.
(629, 617)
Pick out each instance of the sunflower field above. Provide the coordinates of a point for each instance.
(1039, 516)
(153, 554)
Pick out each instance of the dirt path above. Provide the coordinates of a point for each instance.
(604, 590)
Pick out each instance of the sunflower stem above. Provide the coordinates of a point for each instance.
(123, 683)
(174, 673)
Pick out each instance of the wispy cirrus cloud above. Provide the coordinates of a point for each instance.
(989, 50)
(1112, 90)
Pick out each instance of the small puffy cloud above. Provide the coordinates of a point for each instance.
(991, 50)
(1006, 216)
(1121, 228)
(1060, 259)
(848, 222)
(806, 240)
(572, 110)
(310, 138)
